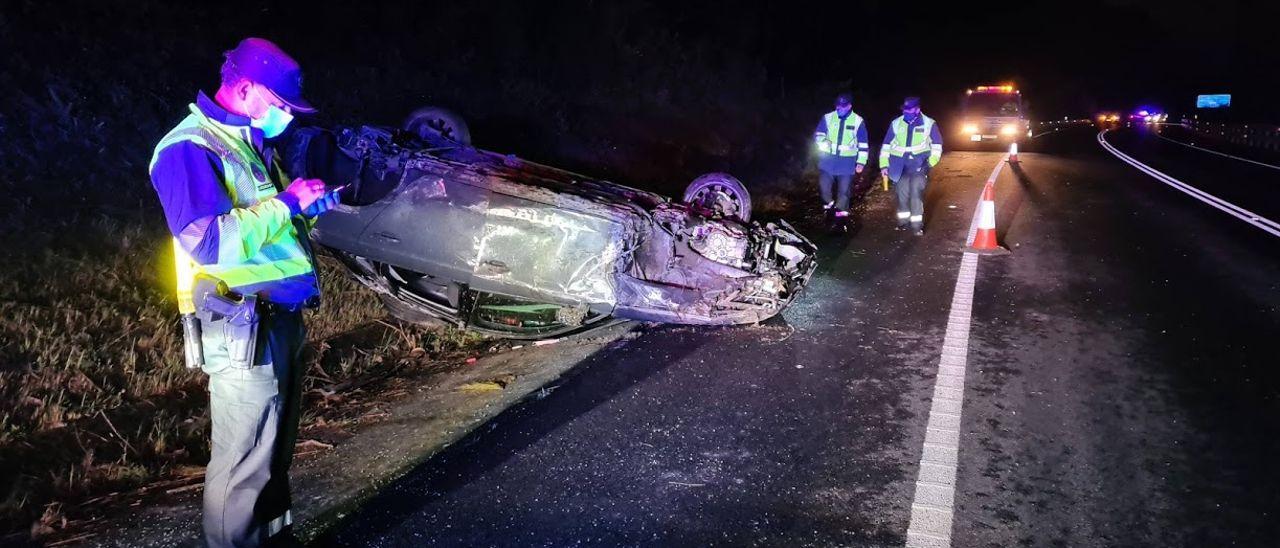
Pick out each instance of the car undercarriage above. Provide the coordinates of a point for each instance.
(444, 231)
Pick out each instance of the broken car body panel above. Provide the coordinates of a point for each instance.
(511, 247)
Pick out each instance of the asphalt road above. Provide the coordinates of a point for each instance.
(1121, 391)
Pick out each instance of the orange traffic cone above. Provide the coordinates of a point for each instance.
(1013, 153)
(984, 240)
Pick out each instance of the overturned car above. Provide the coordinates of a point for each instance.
(444, 231)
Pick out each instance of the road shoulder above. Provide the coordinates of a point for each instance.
(421, 425)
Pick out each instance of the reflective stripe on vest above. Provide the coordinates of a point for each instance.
(842, 135)
(248, 184)
(898, 146)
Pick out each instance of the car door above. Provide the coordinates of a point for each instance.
(431, 225)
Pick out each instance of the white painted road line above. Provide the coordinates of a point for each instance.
(932, 509)
(1241, 213)
(1223, 154)
(933, 506)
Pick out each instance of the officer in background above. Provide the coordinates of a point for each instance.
(911, 147)
(232, 218)
(841, 140)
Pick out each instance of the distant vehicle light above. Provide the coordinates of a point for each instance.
(970, 128)
(1008, 129)
(995, 89)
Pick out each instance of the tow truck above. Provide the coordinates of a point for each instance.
(994, 113)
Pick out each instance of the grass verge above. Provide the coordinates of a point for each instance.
(95, 404)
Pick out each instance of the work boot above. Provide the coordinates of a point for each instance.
(900, 227)
(918, 230)
(828, 205)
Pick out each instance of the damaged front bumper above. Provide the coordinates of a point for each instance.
(693, 270)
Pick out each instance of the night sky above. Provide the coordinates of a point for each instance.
(689, 86)
(1070, 58)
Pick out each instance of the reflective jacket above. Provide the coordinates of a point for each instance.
(844, 137)
(910, 146)
(258, 242)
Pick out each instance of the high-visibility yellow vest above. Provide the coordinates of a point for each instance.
(255, 217)
(921, 143)
(841, 141)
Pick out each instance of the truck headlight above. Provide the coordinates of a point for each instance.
(970, 128)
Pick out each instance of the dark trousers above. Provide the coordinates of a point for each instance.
(909, 190)
(843, 184)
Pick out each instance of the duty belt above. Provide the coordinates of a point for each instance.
(240, 315)
(268, 307)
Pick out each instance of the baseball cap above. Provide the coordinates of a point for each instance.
(844, 99)
(263, 62)
(911, 102)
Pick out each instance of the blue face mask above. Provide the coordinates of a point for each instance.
(273, 122)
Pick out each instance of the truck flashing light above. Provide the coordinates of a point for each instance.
(996, 89)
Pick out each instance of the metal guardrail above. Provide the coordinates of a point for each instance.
(1255, 135)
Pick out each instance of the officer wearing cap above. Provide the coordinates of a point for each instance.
(235, 216)
(911, 147)
(841, 143)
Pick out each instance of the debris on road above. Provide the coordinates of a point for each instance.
(310, 447)
(492, 385)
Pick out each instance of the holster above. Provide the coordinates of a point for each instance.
(192, 341)
(214, 301)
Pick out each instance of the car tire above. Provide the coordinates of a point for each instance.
(429, 122)
(721, 193)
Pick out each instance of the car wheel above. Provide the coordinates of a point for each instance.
(720, 194)
(428, 122)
